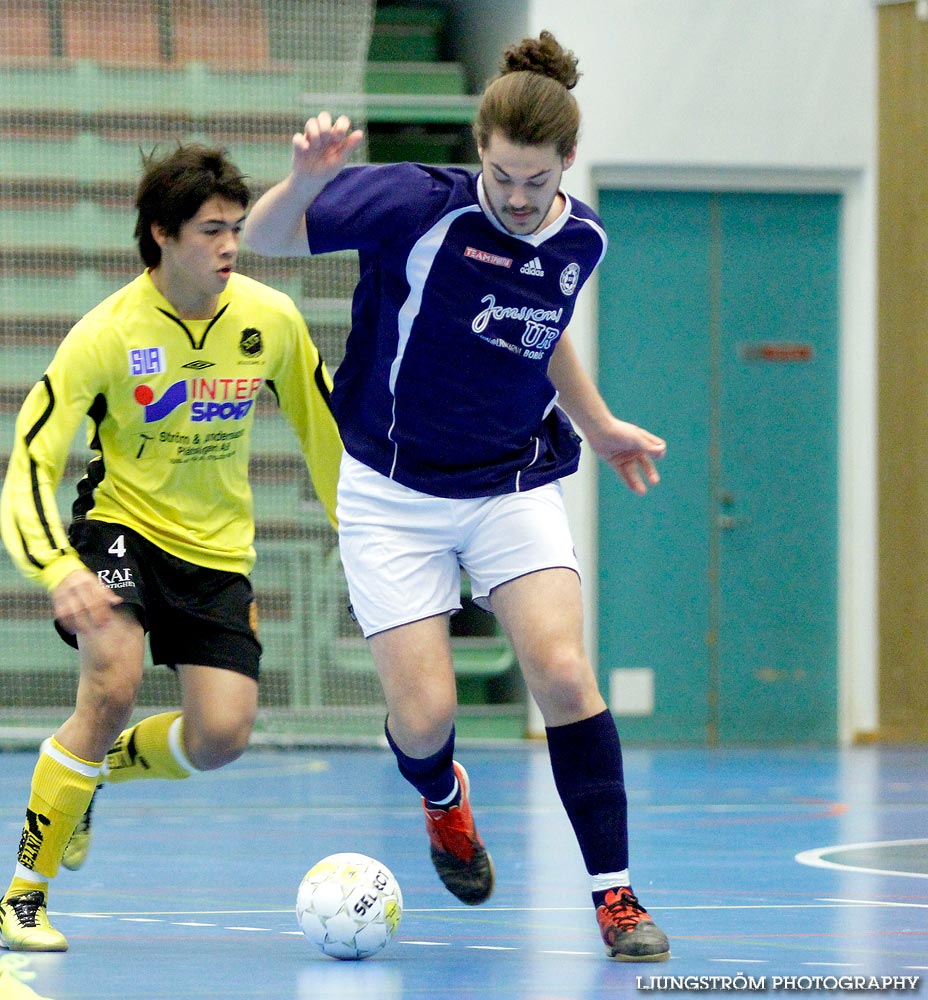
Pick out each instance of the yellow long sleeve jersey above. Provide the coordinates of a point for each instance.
(169, 405)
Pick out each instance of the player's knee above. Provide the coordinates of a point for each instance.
(563, 680)
(424, 731)
(113, 701)
(211, 747)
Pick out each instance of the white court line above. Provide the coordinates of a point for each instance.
(878, 902)
(101, 914)
(831, 904)
(820, 904)
(814, 857)
(834, 965)
(585, 954)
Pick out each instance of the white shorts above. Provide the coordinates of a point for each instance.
(403, 550)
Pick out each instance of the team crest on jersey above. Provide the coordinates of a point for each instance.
(569, 278)
(251, 344)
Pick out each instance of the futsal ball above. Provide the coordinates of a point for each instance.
(349, 905)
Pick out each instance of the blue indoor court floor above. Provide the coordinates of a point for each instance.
(190, 886)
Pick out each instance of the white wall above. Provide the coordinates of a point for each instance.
(746, 93)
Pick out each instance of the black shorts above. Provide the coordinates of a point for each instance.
(191, 614)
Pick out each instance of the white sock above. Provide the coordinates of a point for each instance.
(608, 880)
(176, 743)
(28, 875)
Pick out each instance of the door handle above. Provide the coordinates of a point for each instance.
(728, 522)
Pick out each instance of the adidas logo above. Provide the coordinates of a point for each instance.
(533, 267)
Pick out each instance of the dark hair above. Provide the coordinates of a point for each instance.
(530, 102)
(174, 187)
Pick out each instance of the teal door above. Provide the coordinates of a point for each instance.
(718, 330)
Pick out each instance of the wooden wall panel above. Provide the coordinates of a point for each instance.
(903, 372)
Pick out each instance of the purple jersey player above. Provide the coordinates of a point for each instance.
(457, 401)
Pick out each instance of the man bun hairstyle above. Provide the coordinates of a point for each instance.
(174, 187)
(530, 101)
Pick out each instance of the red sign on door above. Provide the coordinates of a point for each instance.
(776, 351)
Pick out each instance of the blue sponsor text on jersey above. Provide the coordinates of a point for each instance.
(210, 399)
(146, 361)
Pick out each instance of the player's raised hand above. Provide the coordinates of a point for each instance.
(276, 224)
(323, 147)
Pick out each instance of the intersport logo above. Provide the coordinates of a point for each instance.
(209, 399)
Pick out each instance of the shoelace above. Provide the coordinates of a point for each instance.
(625, 910)
(26, 907)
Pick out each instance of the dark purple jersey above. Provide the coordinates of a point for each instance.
(444, 384)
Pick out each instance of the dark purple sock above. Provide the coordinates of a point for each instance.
(586, 759)
(433, 777)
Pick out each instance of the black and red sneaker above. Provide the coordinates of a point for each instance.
(458, 854)
(629, 933)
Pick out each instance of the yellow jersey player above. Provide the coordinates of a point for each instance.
(166, 373)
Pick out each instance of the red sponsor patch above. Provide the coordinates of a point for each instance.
(488, 258)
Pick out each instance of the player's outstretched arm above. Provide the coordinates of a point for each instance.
(629, 449)
(276, 225)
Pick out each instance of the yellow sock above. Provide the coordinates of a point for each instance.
(152, 748)
(62, 787)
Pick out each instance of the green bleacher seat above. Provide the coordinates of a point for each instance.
(85, 225)
(25, 365)
(479, 648)
(443, 109)
(69, 295)
(403, 43)
(89, 157)
(82, 157)
(420, 78)
(408, 33)
(85, 87)
(475, 657)
(270, 99)
(422, 143)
